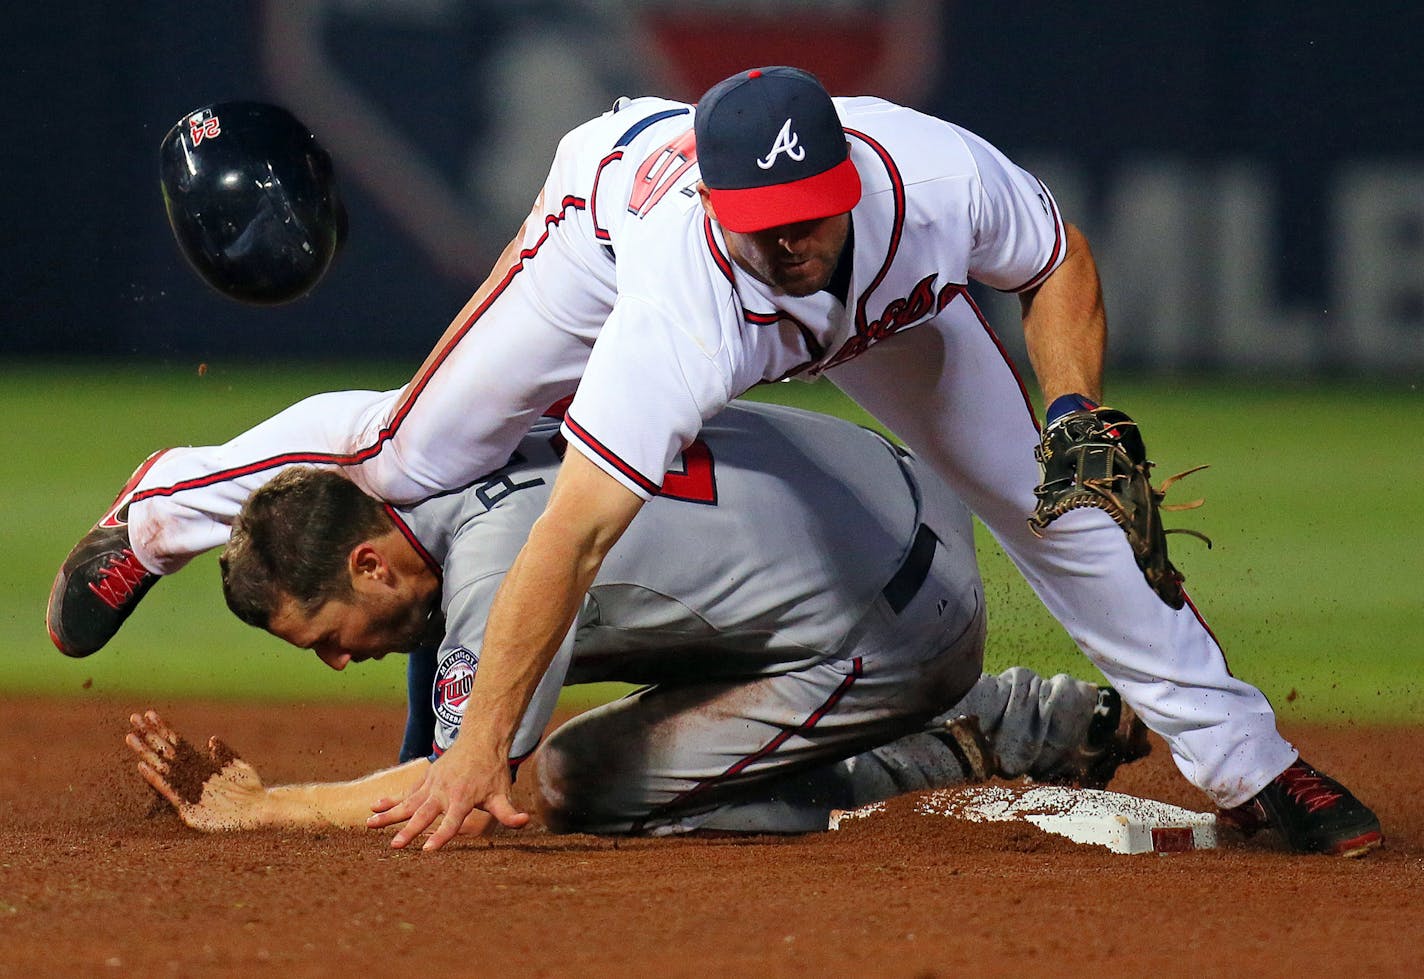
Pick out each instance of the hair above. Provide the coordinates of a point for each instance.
(292, 540)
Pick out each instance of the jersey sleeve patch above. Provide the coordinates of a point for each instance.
(451, 691)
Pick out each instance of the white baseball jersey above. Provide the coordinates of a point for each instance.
(620, 287)
(690, 330)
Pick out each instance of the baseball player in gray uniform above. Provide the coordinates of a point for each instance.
(676, 256)
(805, 609)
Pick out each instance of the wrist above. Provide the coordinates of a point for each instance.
(278, 806)
(1067, 403)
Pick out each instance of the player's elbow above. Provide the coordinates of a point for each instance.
(1076, 244)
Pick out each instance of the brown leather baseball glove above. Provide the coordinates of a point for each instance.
(1095, 457)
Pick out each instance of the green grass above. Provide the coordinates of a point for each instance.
(1315, 586)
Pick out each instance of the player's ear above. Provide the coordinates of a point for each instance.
(706, 199)
(367, 565)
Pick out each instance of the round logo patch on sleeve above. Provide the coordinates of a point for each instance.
(453, 680)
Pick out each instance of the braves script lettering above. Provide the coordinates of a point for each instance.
(898, 314)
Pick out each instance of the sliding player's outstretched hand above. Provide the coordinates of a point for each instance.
(211, 788)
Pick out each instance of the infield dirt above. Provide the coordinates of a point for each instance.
(95, 881)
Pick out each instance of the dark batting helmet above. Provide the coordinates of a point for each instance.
(252, 199)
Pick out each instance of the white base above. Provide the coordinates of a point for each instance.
(1122, 823)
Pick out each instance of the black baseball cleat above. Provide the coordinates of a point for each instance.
(1313, 812)
(1116, 736)
(101, 581)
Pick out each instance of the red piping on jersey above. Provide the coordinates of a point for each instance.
(608, 456)
(1058, 242)
(111, 519)
(1202, 622)
(1033, 416)
(814, 350)
(897, 184)
(1008, 361)
(413, 390)
(723, 262)
(816, 716)
(600, 233)
(516, 761)
(411, 539)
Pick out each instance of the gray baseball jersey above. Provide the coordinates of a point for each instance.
(768, 544)
(804, 604)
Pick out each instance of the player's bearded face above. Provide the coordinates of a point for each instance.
(400, 627)
(342, 632)
(799, 259)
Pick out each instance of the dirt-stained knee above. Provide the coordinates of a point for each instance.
(569, 794)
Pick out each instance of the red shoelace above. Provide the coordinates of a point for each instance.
(1307, 788)
(118, 579)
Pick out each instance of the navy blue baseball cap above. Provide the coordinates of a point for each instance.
(773, 151)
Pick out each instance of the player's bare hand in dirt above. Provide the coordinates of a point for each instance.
(210, 787)
(467, 787)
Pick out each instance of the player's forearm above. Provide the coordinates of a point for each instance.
(587, 513)
(1065, 326)
(534, 609)
(345, 805)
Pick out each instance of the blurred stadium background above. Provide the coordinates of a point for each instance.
(1251, 176)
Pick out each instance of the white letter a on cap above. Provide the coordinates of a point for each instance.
(786, 142)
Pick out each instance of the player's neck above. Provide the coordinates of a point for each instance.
(839, 284)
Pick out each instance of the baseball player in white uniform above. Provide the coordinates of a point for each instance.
(808, 618)
(769, 232)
